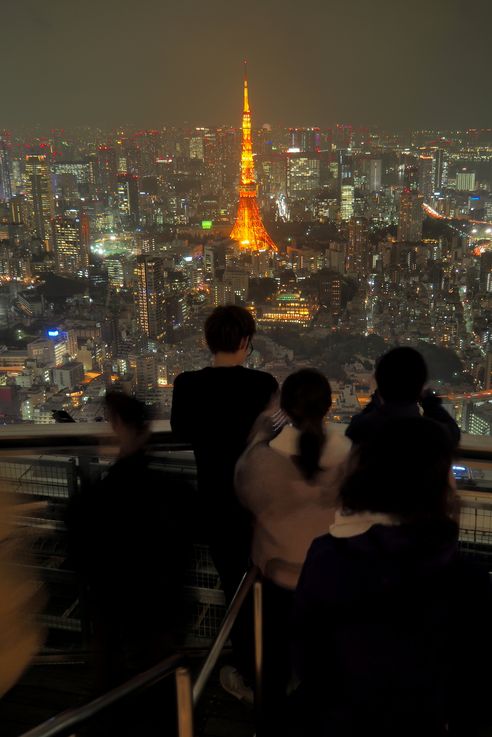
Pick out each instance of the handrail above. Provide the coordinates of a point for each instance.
(90, 434)
(187, 696)
(231, 615)
(72, 717)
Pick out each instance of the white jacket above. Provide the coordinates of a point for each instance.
(289, 511)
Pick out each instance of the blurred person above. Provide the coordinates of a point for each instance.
(289, 482)
(21, 597)
(130, 544)
(391, 628)
(401, 375)
(214, 409)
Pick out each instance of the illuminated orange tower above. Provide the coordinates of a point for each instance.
(248, 229)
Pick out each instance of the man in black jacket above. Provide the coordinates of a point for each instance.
(401, 375)
(214, 409)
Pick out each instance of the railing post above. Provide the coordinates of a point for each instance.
(184, 702)
(258, 620)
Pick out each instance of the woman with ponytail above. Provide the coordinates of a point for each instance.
(289, 481)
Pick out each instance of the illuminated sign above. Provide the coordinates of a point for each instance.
(207, 224)
(53, 333)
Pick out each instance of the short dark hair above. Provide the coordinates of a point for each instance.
(403, 470)
(401, 374)
(227, 326)
(306, 398)
(129, 410)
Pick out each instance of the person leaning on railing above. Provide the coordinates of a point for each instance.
(391, 629)
(289, 481)
(401, 375)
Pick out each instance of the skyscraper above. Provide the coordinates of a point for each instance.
(248, 229)
(307, 140)
(39, 197)
(128, 204)
(150, 295)
(71, 239)
(303, 175)
(465, 181)
(357, 246)
(5, 176)
(426, 175)
(375, 169)
(440, 169)
(411, 216)
(346, 177)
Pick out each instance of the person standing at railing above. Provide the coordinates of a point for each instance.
(214, 409)
(401, 375)
(289, 482)
(391, 628)
(129, 542)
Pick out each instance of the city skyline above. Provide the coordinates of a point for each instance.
(155, 64)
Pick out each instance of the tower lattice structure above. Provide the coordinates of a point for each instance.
(248, 230)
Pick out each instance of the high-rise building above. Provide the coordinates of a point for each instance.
(5, 174)
(150, 295)
(347, 199)
(306, 140)
(440, 169)
(128, 197)
(39, 197)
(71, 239)
(302, 175)
(374, 175)
(426, 175)
(346, 178)
(106, 169)
(248, 229)
(465, 181)
(197, 149)
(357, 246)
(411, 217)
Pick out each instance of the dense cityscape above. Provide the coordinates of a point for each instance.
(116, 244)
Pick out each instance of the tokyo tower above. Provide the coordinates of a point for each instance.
(248, 230)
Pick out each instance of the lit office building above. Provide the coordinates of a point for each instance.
(440, 170)
(305, 139)
(465, 181)
(39, 197)
(150, 295)
(303, 176)
(411, 217)
(128, 197)
(5, 174)
(71, 239)
(347, 199)
(426, 175)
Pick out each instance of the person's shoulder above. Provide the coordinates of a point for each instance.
(338, 447)
(260, 377)
(189, 377)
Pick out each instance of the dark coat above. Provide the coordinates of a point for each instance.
(364, 424)
(391, 635)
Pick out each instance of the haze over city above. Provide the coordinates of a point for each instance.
(387, 63)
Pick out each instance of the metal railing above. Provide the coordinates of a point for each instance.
(187, 693)
(60, 724)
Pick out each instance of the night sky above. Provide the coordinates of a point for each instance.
(148, 62)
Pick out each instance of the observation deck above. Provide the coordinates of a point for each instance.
(47, 464)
